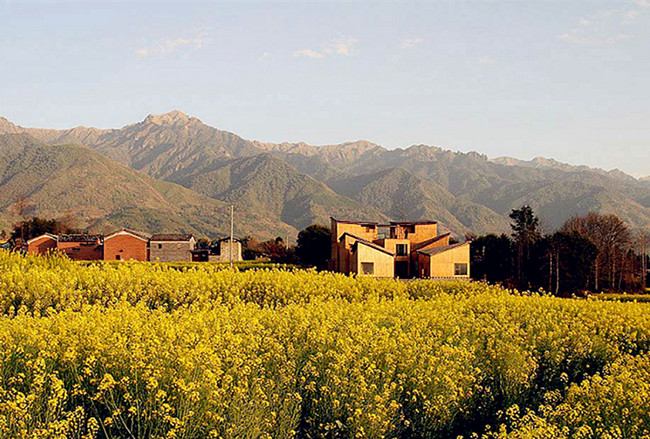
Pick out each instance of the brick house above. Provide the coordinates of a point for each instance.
(42, 244)
(171, 247)
(81, 247)
(126, 245)
(396, 249)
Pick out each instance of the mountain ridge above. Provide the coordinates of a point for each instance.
(181, 149)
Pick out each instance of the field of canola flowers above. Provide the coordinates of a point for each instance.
(139, 350)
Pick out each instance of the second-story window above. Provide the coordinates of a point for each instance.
(402, 250)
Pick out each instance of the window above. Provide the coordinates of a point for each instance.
(460, 269)
(402, 250)
(117, 257)
(159, 246)
(367, 268)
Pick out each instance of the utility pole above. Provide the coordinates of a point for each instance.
(232, 231)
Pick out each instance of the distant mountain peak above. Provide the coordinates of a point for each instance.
(174, 117)
(6, 126)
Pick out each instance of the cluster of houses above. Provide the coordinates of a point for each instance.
(129, 245)
(397, 249)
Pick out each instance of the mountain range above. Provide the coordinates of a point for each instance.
(171, 172)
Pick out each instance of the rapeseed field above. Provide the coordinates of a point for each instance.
(141, 350)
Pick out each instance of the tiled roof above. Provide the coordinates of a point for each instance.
(141, 235)
(44, 235)
(172, 237)
(228, 239)
(79, 238)
(438, 250)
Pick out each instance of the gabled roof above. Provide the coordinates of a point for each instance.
(174, 237)
(228, 239)
(431, 241)
(139, 235)
(44, 235)
(79, 237)
(367, 243)
(412, 223)
(438, 250)
(361, 223)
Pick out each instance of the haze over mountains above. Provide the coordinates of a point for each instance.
(171, 172)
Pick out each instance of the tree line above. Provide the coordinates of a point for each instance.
(594, 252)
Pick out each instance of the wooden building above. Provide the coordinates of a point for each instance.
(171, 247)
(126, 245)
(450, 261)
(42, 244)
(392, 250)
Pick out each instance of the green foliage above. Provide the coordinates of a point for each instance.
(493, 258)
(314, 246)
(36, 226)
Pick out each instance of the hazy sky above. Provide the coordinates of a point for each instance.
(567, 80)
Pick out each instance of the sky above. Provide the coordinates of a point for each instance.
(568, 80)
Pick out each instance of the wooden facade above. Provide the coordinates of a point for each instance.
(397, 249)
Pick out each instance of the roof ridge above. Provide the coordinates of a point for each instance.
(368, 243)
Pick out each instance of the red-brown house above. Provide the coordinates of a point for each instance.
(42, 244)
(81, 247)
(126, 245)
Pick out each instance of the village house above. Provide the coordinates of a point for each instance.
(397, 249)
(224, 250)
(222, 253)
(126, 245)
(42, 244)
(171, 247)
(81, 247)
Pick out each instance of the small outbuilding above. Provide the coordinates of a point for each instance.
(224, 250)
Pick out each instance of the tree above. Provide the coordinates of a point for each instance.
(278, 251)
(570, 259)
(28, 229)
(525, 232)
(314, 246)
(642, 242)
(612, 237)
(492, 258)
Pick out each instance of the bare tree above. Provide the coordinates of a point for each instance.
(21, 207)
(642, 244)
(612, 237)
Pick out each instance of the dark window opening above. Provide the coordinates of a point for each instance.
(367, 268)
(460, 269)
(402, 249)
